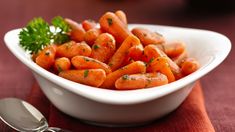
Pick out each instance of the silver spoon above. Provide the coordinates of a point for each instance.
(22, 116)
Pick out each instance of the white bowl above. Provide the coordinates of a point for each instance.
(110, 107)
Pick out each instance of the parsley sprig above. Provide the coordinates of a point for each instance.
(38, 34)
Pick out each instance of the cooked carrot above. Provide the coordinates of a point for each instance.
(122, 16)
(62, 64)
(46, 57)
(152, 52)
(110, 23)
(83, 62)
(119, 56)
(174, 48)
(91, 77)
(104, 47)
(91, 35)
(189, 66)
(161, 64)
(136, 52)
(147, 37)
(77, 33)
(88, 24)
(180, 58)
(71, 49)
(138, 81)
(133, 68)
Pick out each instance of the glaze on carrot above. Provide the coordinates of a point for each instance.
(83, 62)
(138, 81)
(133, 68)
(91, 77)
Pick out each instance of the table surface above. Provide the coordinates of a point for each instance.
(218, 86)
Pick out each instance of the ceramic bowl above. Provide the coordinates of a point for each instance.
(133, 107)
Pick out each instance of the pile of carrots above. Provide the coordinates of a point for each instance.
(113, 57)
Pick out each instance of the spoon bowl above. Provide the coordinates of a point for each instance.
(22, 116)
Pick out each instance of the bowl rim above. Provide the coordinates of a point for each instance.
(128, 96)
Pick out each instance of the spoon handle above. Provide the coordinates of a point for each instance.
(55, 129)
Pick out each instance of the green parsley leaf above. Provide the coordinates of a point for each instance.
(96, 47)
(86, 73)
(110, 21)
(35, 36)
(38, 34)
(125, 77)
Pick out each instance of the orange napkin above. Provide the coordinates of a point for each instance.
(191, 116)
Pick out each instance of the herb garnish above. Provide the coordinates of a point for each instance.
(110, 21)
(86, 73)
(38, 34)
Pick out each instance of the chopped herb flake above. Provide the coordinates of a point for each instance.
(86, 59)
(151, 60)
(86, 73)
(59, 68)
(110, 21)
(47, 53)
(125, 77)
(96, 47)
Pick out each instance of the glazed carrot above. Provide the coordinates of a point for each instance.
(83, 62)
(189, 66)
(147, 37)
(91, 35)
(71, 49)
(174, 48)
(152, 52)
(161, 64)
(91, 77)
(180, 58)
(62, 64)
(119, 56)
(46, 57)
(104, 47)
(88, 24)
(77, 33)
(110, 23)
(122, 16)
(136, 52)
(138, 81)
(133, 68)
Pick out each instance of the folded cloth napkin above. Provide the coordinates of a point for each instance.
(191, 116)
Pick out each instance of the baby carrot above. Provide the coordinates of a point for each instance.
(91, 35)
(138, 81)
(161, 64)
(77, 33)
(174, 48)
(122, 16)
(147, 37)
(71, 49)
(88, 24)
(83, 62)
(189, 66)
(180, 58)
(119, 56)
(91, 77)
(46, 57)
(62, 64)
(133, 68)
(110, 23)
(104, 47)
(136, 52)
(152, 52)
